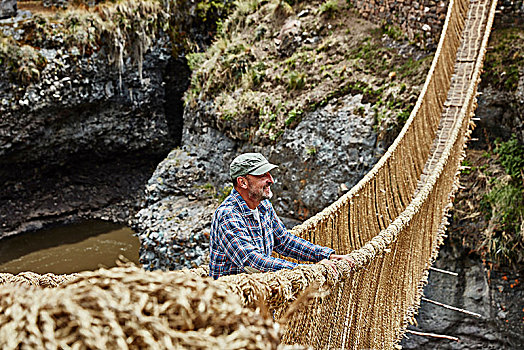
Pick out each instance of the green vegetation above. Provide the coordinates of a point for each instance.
(504, 59)
(393, 32)
(411, 66)
(214, 193)
(404, 114)
(296, 81)
(311, 150)
(504, 207)
(188, 17)
(224, 192)
(374, 58)
(294, 116)
(23, 62)
(262, 81)
(370, 55)
(511, 155)
(466, 168)
(329, 8)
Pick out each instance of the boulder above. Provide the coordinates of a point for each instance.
(8, 8)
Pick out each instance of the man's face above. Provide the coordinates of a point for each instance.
(259, 186)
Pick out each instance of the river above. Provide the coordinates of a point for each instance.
(67, 249)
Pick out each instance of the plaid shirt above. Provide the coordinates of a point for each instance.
(237, 240)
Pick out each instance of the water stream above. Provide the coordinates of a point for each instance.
(67, 249)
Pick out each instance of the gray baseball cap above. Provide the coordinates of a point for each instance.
(250, 163)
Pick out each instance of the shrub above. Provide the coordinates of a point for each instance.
(23, 62)
(504, 59)
(296, 81)
(504, 207)
(257, 74)
(504, 237)
(511, 155)
(393, 32)
(330, 8)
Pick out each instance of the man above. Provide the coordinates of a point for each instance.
(245, 228)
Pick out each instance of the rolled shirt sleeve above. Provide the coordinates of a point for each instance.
(295, 247)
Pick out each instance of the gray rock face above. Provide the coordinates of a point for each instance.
(174, 233)
(78, 105)
(499, 300)
(331, 149)
(174, 228)
(327, 153)
(289, 37)
(82, 140)
(8, 8)
(501, 113)
(179, 174)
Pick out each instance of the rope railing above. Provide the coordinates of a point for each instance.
(392, 222)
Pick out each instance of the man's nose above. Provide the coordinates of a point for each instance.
(270, 178)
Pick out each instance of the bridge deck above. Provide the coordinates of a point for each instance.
(467, 56)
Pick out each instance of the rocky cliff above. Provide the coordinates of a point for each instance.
(67, 115)
(90, 102)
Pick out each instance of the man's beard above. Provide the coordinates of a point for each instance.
(267, 196)
(260, 195)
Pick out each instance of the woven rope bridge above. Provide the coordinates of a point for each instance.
(392, 223)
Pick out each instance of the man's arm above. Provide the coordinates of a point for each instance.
(295, 247)
(238, 246)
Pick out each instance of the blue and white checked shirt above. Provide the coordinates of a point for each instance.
(238, 240)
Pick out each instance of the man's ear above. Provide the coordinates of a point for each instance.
(242, 182)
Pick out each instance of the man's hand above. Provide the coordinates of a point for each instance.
(330, 264)
(334, 257)
(343, 257)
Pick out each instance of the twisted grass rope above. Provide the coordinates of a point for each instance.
(128, 308)
(48, 280)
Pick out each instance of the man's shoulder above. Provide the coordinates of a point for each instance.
(229, 207)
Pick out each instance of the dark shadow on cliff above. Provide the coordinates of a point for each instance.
(176, 80)
(86, 187)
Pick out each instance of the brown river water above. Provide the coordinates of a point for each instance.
(68, 249)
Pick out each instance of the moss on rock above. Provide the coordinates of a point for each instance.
(504, 58)
(123, 28)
